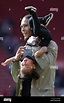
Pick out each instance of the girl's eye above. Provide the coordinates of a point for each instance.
(24, 26)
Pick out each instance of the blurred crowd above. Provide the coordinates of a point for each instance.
(9, 43)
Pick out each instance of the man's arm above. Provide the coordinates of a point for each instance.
(16, 63)
(15, 70)
(46, 60)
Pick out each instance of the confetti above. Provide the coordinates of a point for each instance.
(62, 38)
(9, 47)
(9, 9)
(9, 86)
(1, 38)
(54, 28)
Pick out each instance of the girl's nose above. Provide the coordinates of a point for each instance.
(25, 59)
(22, 28)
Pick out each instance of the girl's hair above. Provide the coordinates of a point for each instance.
(30, 20)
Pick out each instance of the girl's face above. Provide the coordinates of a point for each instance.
(25, 28)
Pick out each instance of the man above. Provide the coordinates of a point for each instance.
(27, 73)
(45, 67)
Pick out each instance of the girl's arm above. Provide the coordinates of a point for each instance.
(38, 30)
(41, 51)
(7, 61)
(19, 53)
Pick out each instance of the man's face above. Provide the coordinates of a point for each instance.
(27, 65)
(25, 28)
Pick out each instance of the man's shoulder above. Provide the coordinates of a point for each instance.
(53, 44)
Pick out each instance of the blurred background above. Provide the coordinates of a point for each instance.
(11, 13)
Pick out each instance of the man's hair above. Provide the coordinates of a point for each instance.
(32, 58)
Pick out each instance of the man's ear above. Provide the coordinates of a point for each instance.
(34, 66)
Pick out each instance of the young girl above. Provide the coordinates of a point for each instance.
(40, 30)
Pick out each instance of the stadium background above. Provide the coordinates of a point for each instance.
(11, 13)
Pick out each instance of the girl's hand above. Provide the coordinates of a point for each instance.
(5, 63)
(19, 52)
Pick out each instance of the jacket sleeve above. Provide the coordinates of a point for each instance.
(46, 60)
(15, 70)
